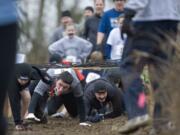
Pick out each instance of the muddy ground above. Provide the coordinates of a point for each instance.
(70, 126)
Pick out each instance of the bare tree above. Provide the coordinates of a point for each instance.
(34, 23)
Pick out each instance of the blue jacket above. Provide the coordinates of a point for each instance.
(8, 12)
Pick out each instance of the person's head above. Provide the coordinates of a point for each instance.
(120, 20)
(70, 30)
(100, 92)
(64, 81)
(96, 56)
(88, 11)
(99, 6)
(55, 58)
(66, 18)
(119, 4)
(23, 73)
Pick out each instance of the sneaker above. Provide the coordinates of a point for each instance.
(58, 115)
(135, 123)
(32, 117)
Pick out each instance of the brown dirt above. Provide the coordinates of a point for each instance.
(70, 126)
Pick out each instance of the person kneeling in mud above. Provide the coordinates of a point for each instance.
(102, 100)
(18, 92)
(69, 92)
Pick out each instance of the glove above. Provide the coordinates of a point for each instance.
(96, 118)
(127, 26)
(84, 124)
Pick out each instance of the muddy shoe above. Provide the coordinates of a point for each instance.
(135, 123)
(44, 120)
(23, 127)
(32, 117)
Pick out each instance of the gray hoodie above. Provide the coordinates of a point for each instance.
(154, 10)
(76, 46)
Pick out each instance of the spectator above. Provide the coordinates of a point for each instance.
(88, 12)
(107, 23)
(116, 42)
(60, 31)
(92, 23)
(71, 47)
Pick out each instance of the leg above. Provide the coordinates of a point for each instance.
(54, 104)
(26, 97)
(134, 96)
(70, 104)
(37, 96)
(15, 102)
(8, 50)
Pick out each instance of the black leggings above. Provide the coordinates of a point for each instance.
(69, 102)
(8, 36)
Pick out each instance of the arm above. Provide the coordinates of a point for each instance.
(102, 29)
(57, 48)
(86, 29)
(117, 105)
(81, 108)
(88, 107)
(86, 50)
(100, 37)
(91, 118)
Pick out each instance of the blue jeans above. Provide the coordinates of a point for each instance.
(147, 39)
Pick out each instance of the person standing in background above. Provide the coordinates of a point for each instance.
(88, 12)
(92, 23)
(60, 31)
(107, 23)
(8, 41)
(71, 47)
(116, 42)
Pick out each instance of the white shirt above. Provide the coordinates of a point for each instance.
(117, 44)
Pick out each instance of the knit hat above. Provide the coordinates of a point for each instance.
(99, 87)
(23, 71)
(66, 77)
(55, 58)
(66, 13)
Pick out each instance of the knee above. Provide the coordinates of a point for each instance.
(50, 110)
